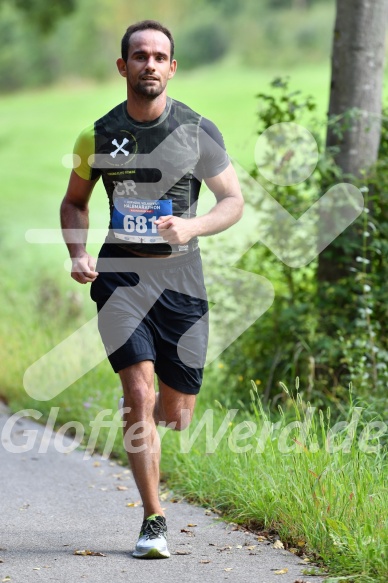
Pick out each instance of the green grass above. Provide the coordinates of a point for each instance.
(42, 306)
(328, 504)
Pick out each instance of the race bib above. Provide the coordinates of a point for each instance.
(134, 220)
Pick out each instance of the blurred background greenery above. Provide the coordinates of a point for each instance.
(42, 42)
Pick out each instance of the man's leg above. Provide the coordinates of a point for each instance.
(142, 409)
(146, 409)
(173, 408)
(143, 452)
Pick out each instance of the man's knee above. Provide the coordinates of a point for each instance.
(139, 397)
(178, 419)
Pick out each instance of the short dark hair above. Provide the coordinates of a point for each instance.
(144, 25)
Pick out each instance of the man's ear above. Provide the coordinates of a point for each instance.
(121, 67)
(173, 67)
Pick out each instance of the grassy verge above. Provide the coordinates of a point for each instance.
(322, 488)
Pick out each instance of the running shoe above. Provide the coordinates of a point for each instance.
(152, 543)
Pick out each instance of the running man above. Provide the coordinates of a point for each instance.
(148, 283)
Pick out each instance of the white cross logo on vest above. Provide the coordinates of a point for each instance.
(120, 147)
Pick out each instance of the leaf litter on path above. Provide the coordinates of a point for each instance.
(88, 553)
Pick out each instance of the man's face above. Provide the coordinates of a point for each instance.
(148, 67)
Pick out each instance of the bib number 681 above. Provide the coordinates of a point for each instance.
(138, 224)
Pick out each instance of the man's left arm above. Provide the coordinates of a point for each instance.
(227, 211)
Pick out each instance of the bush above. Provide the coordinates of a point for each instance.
(329, 343)
(201, 45)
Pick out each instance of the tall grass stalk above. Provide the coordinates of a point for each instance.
(318, 488)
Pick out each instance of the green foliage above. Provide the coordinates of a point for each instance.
(295, 337)
(43, 42)
(227, 7)
(286, 36)
(29, 58)
(203, 44)
(42, 14)
(365, 347)
(291, 322)
(353, 307)
(302, 4)
(319, 484)
(365, 344)
(24, 61)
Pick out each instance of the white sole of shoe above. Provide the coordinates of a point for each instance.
(151, 554)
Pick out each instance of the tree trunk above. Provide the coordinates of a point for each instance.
(357, 80)
(356, 100)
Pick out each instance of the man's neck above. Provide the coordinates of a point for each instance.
(142, 109)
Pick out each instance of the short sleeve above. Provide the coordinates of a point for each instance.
(83, 153)
(213, 158)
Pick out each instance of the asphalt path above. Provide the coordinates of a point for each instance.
(55, 504)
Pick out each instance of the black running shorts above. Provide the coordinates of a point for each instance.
(153, 309)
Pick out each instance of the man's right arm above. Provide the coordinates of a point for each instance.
(75, 224)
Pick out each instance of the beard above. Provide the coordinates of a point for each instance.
(147, 90)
